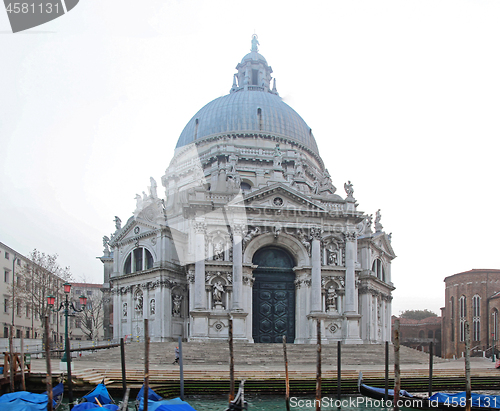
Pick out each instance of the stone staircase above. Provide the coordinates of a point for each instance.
(256, 354)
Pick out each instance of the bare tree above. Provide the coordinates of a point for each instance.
(41, 277)
(91, 319)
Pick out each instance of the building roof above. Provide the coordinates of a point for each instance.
(474, 271)
(249, 109)
(424, 321)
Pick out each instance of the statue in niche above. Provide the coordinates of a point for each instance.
(349, 189)
(219, 251)
(218, 289)
(332, 257)
(331, 298)
(303, 239)
(176, 305)
(277, 229)
(278, 156)
(139, 304)
(118, 222)
(152, 307)
(152, 188)
(233, 160)
(125, 309)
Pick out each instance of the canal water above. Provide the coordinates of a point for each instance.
(274, 403)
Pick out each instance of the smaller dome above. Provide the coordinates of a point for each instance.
(254, 56)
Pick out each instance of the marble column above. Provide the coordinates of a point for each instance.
(316, 270)
(350, 274)
(237, 266)
(200, 302)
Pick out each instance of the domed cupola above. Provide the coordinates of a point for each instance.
(254, 74)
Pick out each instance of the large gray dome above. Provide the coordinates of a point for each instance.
(238, 113)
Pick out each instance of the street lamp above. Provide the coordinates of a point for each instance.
(66, 305)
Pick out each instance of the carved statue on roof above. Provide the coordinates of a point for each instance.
(348, 189)
(152, 188)
(278, 156)
(118, 222)
(255, 43)
(378, 217)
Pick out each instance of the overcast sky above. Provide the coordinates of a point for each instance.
(403, 98)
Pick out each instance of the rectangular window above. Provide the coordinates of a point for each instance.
(476, 330)
(89, 292)
(27, 310)
(255, 77)
(6, 276)
(18, 309)
(18, 333)
(5, 332)
(5, 305)
(18, 262)
(7, 256)
(18, 280)
(27, 333)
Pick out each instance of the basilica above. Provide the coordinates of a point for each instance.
(249, 226)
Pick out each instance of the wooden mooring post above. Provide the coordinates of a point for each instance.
(467, 368)
(397, 371)
(181, 370)
(146, 364)
(231, 360)
(124, 371)
(339, 369)
(431, 354)
(287, 381)
(48, 378)
(318, 365)
(386, 393)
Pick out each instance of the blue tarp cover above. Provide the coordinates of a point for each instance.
(478, 400)
(101, 393)
(175, 404)
(151, 395)
(92, 406)
(24, 401)
(389, 392)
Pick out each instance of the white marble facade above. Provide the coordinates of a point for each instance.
(248, 199)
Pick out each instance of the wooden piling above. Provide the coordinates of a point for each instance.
(124, 371)
(146, 364)
(181, 370)
(12, 372)
(318, 365)
(70, 380)
(397, 372)
(231, 361)
(287, 380)
(386, 394)
(48, 377)
(467, 368)
(125, 399)
(23, 380)
(339, 370)
(431, 354)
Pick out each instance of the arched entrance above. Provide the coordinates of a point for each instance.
(273, 296)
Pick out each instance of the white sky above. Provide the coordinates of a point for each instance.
(402, 96)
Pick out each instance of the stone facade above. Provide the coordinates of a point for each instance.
(251, 227)
(471, 296)
(418, 334)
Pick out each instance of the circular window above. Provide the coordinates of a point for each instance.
(278, 201)
(136, 230)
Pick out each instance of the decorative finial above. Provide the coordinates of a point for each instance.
(255, 43)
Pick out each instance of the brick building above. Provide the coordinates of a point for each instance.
(419, 334)
(472, 296)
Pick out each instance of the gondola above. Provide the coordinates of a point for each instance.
(456, 402)
(28, 401)
(152, 396)
(98, 398)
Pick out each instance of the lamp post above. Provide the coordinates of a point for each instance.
(66, 305)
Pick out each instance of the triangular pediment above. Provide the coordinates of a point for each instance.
(135, 229)
(383, 244)
(281, 196)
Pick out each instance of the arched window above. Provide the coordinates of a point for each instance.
(476, 320)
(421, 334)
(494, 324)
(245, 186)
(378, 269)
(452, 318)
(138, 260)
(463, 316)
